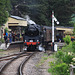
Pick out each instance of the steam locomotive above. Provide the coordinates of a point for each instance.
(33, 37)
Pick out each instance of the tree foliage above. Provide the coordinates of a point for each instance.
(4, 9)
(41, 10)
(63, 10)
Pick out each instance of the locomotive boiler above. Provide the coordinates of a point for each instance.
(33, 38)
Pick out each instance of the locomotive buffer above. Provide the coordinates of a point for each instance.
(53, 19)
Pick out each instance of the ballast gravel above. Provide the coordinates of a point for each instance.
(30, 68)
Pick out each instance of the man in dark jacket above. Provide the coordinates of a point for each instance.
(6, 40)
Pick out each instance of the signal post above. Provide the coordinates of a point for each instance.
(53, 19)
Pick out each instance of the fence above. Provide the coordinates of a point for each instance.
(71, 69)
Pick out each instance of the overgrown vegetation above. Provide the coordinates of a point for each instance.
(73, 46)
(64, 57)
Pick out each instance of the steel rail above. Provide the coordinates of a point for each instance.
(6, 64)
(13, 57)
(23, 62)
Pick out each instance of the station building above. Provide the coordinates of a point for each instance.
(15, 24)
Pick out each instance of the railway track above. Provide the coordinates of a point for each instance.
(23, 63)
(14, 63)
(8, 57)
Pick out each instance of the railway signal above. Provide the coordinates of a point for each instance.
(53, 19)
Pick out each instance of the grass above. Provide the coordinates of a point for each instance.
(43, 59)
(52, 56)
(1, 50)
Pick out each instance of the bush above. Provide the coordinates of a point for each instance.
(73, 61)
(73, 45)
(59, 69)
(59, 54)
(64, 57)
(67, 59)
(67, 39)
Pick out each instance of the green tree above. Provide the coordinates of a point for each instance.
(41, 10)
(4, 9)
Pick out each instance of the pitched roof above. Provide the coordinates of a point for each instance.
(17, 17)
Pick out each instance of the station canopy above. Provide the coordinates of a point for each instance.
(67, 30)
(16, 21)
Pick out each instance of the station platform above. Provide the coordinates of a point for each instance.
(11, 45)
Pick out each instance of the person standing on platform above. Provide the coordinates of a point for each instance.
(18, 35)
(6, 34)
(14, 37)
(6, 39)
(10, 37)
